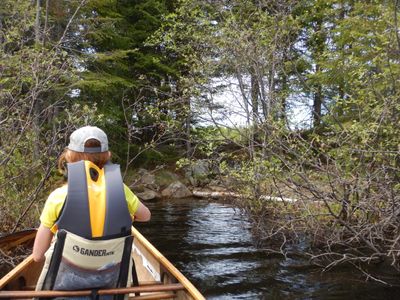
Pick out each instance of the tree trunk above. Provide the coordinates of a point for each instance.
(188, 119)
(36, 108)
(1, 32)
(317, 104)
(319, 49)
(283, 104)
(46, 21)
(255, 90)
(37, 22)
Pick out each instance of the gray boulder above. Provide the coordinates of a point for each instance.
(176, 190)
(147, 179)
(198, 172)
(147, 194)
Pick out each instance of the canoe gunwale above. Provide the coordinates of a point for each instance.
(191, 289)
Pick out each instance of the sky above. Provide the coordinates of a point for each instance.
(232, 110)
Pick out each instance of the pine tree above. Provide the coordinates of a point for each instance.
(129, 80)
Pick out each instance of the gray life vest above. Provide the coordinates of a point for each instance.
(88, 253)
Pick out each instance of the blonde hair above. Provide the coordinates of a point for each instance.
(69, 156)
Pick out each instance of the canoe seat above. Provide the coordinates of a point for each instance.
(144, 283)
(153, 296)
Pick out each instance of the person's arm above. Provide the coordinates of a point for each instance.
(137, 209)
(142, 214)
(51, 210)
(42, 243)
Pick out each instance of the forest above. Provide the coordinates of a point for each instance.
(294, 99)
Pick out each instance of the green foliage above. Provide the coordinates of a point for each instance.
(35, 94)
(117, 33)
(131, 81)
(341, 56)
(139, 68)
(183, 162)
(148, 156)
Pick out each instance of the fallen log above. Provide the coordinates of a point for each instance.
(227, 194)
(214, 194)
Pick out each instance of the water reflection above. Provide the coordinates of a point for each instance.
(212, 245)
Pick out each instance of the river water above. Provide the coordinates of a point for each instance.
(211, 244)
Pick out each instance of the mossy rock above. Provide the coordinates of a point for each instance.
(165, 178)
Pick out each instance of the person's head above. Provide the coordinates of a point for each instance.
(86, 143)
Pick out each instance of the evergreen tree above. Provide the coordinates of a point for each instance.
(130, 81)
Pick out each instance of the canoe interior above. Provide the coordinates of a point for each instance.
(24, 237)
(152, 269)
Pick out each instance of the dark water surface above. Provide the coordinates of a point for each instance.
(212, 245)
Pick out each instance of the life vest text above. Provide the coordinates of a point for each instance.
(92, 252)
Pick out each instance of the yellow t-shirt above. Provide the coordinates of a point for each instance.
(56, 199)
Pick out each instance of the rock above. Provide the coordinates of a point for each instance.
(148, 194)
(137, 188)
(198, 172)
(164, 178)
(215, 182)
(147, 179)
(228, 181)
(176, 190)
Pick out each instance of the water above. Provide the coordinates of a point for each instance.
(211, 244)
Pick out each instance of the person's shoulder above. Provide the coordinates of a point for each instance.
(129, 195)
(59, 193)
(128, 191)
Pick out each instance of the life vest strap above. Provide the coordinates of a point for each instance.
(55, 261)
(75, 215)
(117, 217)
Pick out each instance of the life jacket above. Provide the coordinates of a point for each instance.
(93, 243)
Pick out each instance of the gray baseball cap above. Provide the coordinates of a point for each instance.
(79, 137)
